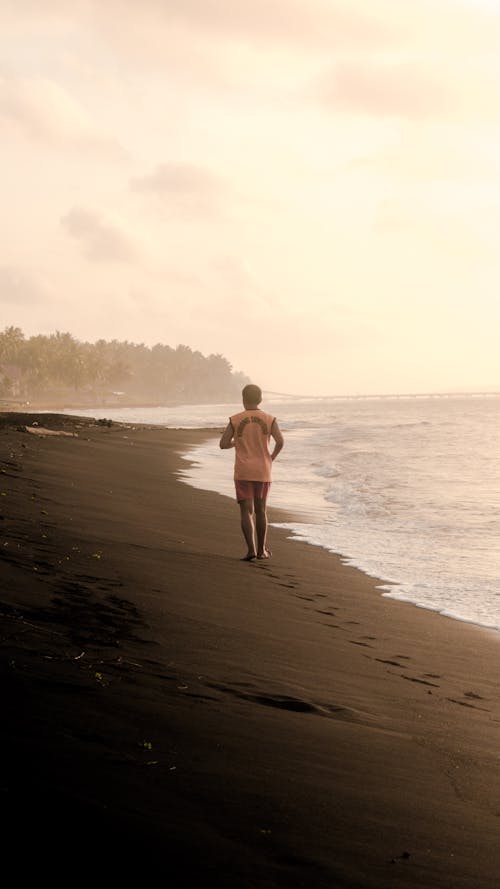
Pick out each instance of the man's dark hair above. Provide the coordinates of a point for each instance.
(252, 394)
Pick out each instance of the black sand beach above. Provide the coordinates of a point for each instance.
(170, 712)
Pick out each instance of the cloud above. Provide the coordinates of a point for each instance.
(19, 288)
(402, 89)
(41, 109)
(101, 241)
(300, 22)
(237, 285)
(183, 186)
(316, 21)
(427, 157)
(445, 235)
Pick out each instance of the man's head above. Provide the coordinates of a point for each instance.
(252, 396)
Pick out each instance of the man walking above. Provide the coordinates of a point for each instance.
(249, 432)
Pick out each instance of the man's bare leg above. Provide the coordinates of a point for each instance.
(248, 528)
(261, 526)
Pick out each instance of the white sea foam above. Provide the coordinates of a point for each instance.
(407, 489)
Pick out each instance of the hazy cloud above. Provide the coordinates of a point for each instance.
(19, 288)
(101, 241)
(42, 109)
(428, 158)
(326, 22)
(237, 281)
(317, 21)
(383, 89)
(184, 186)
(394, 214)
(437, 232)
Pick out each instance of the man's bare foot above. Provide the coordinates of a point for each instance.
(249, 557)
(266, 554)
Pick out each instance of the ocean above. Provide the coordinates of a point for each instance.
(405, 488)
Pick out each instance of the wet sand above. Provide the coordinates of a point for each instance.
(171, 712)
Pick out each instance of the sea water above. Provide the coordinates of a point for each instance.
(405, 488)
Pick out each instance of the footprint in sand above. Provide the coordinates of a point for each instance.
(282, 702)
(420, 681)
(466, 704)
(390, 663)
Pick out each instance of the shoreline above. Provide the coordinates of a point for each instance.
(272, 724)
(55, 408)
(287, 521)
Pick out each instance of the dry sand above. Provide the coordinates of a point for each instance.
(172, 713)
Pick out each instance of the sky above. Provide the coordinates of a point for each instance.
(309, 187)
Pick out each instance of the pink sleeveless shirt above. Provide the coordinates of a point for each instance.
(252, 431)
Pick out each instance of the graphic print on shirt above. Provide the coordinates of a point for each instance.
(247, 420)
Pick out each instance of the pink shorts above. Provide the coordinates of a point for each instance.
(251, 490)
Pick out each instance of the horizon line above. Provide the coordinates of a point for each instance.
(444, 394)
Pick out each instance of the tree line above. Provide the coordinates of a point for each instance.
(58, 368)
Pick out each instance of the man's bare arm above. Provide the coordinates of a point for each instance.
(278, 440)
(227, 440)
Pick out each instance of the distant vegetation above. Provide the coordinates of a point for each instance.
(59, 369)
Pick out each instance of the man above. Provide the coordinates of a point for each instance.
(249, 432)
